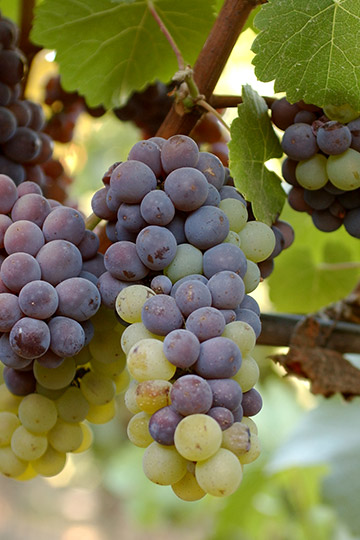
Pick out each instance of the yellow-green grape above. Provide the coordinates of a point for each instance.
(50, 463)
(72, 406)
(311, 173)
(130, 398)
(257, 241)
(233, 238)
(10, 464)
(153, 395)
(188, 260)
(249, 422)
(112, 370)
(344, 170)
(27, 475)
(188, 488)
(122, 382)
(138, 430)
(105, 347)
(130, 301)
(133, 334)
(254, 451)
(252, 277)
(236, 212)
(104, 319)
(146, 360)
(220, 475)
(47, 392)
(197, 437)
(88, 438)
(101, 414)
(8, 423)
(8, 401)
(163, 465)
(242, 334)
(341, 113)
(236, 438)
(97, 389)
(248, 374)
(65, 436)
(83, 357)
(37, 413)
(55, 378)
(26, 445)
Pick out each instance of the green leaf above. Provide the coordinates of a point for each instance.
(253, 142)
(310, 274)
(107, 50)
(311, 50)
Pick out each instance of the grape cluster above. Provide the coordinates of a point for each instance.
(322, 163)
(61, 361)
(183, 260)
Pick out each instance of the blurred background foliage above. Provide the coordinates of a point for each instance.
(306, 483)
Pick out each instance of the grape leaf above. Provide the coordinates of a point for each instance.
(107, 50)
(253, 142)
(311, 50)
(311, 274)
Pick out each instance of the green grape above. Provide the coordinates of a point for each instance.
(10, 464)
(220, 475)
(83, 357)
(341, 113)
(344, 170)
(50, 463)
(188, 260)
(26, 445)
(153, 395)
(257, 241)
(146, 360)
(72, 405)
(105, 346)
(55, 378)
(8, 423)
(101, 414)
(130, 301)
(112, 369)
(8, 401)
(104, 319)
(138, 430)
(65, 436)
(197, 437)
(130, 398)
(242, 334)
(47, 392)
(248, 374)
(188, 488)
(88, 438)
(233, 238)
(122, 382)
(311, 173)
(97, 389)
(27, 475)
(249, 422)
(236, 212)
(254, 451)
(134, 333)
(163, 465)
(252, 277)
(37, 413)
(236, 438)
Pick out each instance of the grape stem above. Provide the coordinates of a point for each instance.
(167, 34)
(205, 105)
(223, 102)
(91, 222)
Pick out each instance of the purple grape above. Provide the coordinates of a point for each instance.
(20, 383)
(38, 299)
(14, 170)
(156, 247)
(8, 125)
(296, 200)
(212, 168)
(131, 181)
(227, 289)
(318, 199)
(224, 257)
(352, 222)
(149, 153)
(213, 198)
(123, 262)
(283, 113)
(30, 338)
(161, 284)
(238, 414)
(229, 315)
(21, 112)
(187, 188)
(78, 298)
(192, 295)
(350, 199)
(223, 416)
(9, 358)
(251, 402)
(10, 312)
(176, 226)
(206, 227)
(191, 394)
(123, 234)
(89, 245)
(95, 265)
(31, 207)
(230, 192)
(288, 171)
(8, 194)
(50, 360)
(161, 315)
(306, 117)
(299, 142)
(266, 267)
(250, 317)
(206, 323)
(249, 303)
(179, 151)
(109, 287)
(112, 202)
(99, 205)
(23, 146)
(156, 208)
(18, 269)
(129, 215)
(88, 275)
(59, 260)
(24, 236)
(219, 358)
(110, 229)
(89, 330)
(5, 223)
(64, 223)
(354, 127)
(75, 336)
(162, 425)
(181, 348)
(226, 393)
(333, 138)
(325, 221)
(190, 277)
